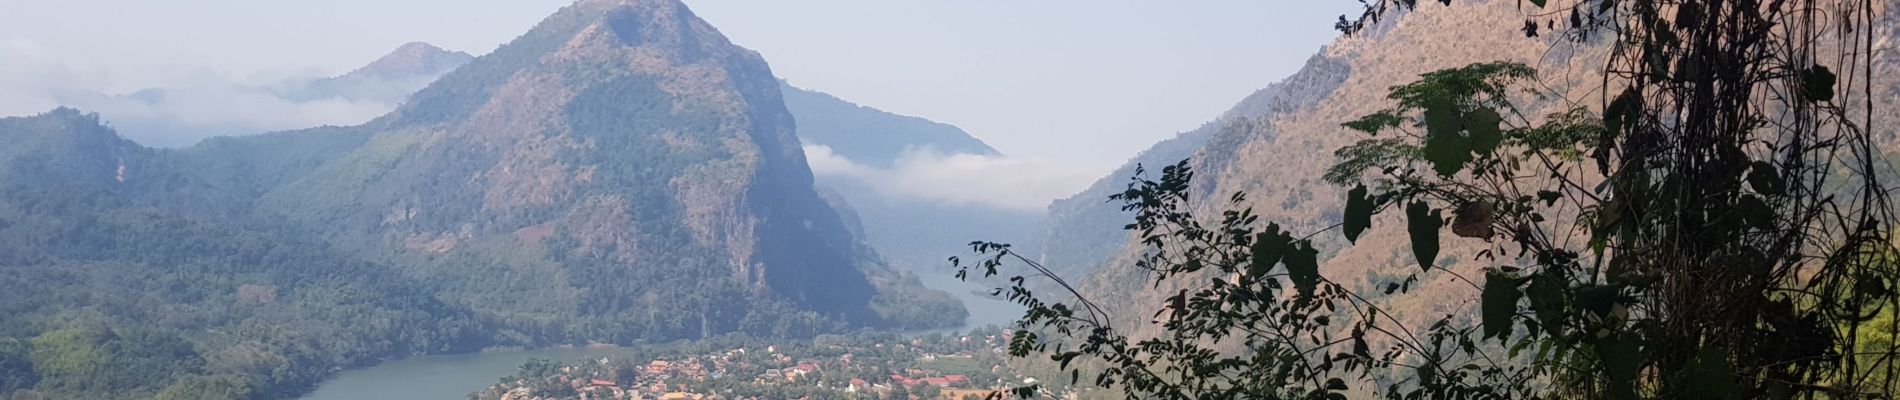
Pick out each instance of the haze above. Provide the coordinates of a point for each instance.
(1081, 84)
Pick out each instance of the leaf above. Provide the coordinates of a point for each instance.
(1711, 376)
(1268, 248)
(1619, 116)
(1621, 359)
(1444, 146)
(1499, 303)
(1538, 3)
(1473, 220)
(1371, 124)
(1482, 125)
(1335, 384)
(1598, 299)
(1754, 212)
(1358, 213)
(1547, 299)
(1549, 197)
(1359, 346)
(1423, 223)
(1818, 83)
(1620, 111)
(1302, 267)
(1764, 179)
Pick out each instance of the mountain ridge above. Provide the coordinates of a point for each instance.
(871, 136)
(621, 173)
(413, 58)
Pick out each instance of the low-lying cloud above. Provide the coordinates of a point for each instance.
(190, 108)
(1026, 184)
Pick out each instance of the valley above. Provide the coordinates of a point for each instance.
(622, 202)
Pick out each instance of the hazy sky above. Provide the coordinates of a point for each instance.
(1086, 83)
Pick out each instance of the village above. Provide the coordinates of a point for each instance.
(863, 366)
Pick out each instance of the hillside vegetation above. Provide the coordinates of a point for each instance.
(621, 173)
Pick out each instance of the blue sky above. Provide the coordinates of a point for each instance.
(1086, 83)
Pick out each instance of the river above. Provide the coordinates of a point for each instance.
(455, 376)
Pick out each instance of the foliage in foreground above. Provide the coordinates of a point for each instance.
(1718, 230)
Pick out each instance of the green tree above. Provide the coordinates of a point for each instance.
(16, 366)
(207, 388)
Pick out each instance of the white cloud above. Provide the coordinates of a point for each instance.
(1027, 184)
(190, 106)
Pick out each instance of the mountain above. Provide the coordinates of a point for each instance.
(1085, 230)
(620, 173)
(111, 296)
(1275, 145)
(182, 113)
(914, 233)
(872, 136)
(388, 79)
(623, 165)
(1277, 153)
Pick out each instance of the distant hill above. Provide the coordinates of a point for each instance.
(182, 113)
(620, 173)
(872, 136)
(916, 234)
(389, 79)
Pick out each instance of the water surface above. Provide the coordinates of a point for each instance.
(455, 376)
(448, 377)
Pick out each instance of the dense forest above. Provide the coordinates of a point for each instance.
(635, 202)
(113, 298)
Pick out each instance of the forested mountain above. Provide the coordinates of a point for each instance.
(111, 295)
(619, 156)
(620, 173)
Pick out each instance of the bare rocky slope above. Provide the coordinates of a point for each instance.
(1275, 147)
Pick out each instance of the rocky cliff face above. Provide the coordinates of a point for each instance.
(1284, 137)
(622, 155)
(1085, 230)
